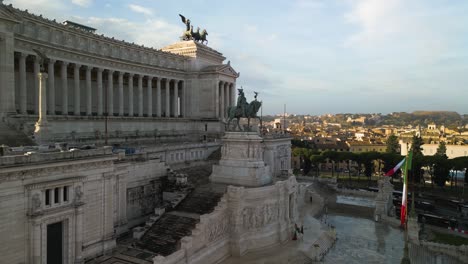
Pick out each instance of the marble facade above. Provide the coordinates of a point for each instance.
(91, 77)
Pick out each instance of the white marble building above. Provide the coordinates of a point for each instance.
(184, 87)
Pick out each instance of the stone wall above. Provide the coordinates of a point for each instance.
(354, 192)
(246, 219)
(459, 252)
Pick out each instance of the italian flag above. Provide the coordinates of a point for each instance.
(404, 200)
(392, 171)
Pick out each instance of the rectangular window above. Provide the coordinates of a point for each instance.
(65, 194)
(47, 197)
(56, 195)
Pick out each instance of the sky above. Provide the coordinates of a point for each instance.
(314, 56)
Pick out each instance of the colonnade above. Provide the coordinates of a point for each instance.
(227, 96)
(92, 91)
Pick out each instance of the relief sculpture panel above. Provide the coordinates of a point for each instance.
(257, 217)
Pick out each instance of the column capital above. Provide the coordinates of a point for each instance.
(65, 63)
(140, 76)
(52, 61)
(110, 71)
(23, 55)
(77, 65)
(89, 68)
(121, 73)
(131, 75)
(100, 70)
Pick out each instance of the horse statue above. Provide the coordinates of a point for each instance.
(199, 37)
(243, 110)
(189, 34)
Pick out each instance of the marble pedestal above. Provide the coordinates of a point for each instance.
(242, 161)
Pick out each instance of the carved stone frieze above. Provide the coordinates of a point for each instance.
(257, 217)
(26, 173)
(98, 61)
(217, 228)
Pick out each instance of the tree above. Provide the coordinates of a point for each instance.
(392, 144)
(304, 154)
(415, 174)
(441, 169)
(441, 165)
(441, 149)
(331, 156)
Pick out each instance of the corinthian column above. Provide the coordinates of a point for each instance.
(100, 104)
(168, 101)
(158, 97)
(121, 94)
(130, 94)
(222, 108)
(63, 75)
(79, 235)
(110, 93)
(140, 95)
(176, 98)
(76, 74)
(89, 106)
(51, 87)
(22, 83)
(36, 85)
(182, 99)
(150, 96)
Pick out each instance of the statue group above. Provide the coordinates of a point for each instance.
(243, 110)
(189, 34)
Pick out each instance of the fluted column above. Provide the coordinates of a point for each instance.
(216, 102)
(100, 103)
(158, 97)
(51, 88)
(110, 92)
(221, 107)
(182, 98)
(79, 235)
(226, 99)
(176, 98)
(36, 85)
(140, 95)
(63, 75)
(89, 106)
(121, 94)
(168, 96)
(130, 94)
(37, 242)
(150, 96)
(76, 99)
(22, 82)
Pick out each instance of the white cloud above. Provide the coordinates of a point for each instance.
(82, 3)
(141, 9)
(377, 19)
(152, 32)
(47, 8)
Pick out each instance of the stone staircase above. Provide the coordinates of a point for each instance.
(12, 137)
(164, 235)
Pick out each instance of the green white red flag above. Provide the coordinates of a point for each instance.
(404, 197)
(392, 171)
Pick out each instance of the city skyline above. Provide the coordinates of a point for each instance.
(316, 57)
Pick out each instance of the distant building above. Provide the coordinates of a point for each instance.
(453, 151)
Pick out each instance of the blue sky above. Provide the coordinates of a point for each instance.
(315, 56)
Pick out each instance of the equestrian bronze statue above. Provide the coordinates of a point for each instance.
(243, 110)
(189, 34)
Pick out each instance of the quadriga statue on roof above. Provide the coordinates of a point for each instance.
(243, 110)
(189, 34)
